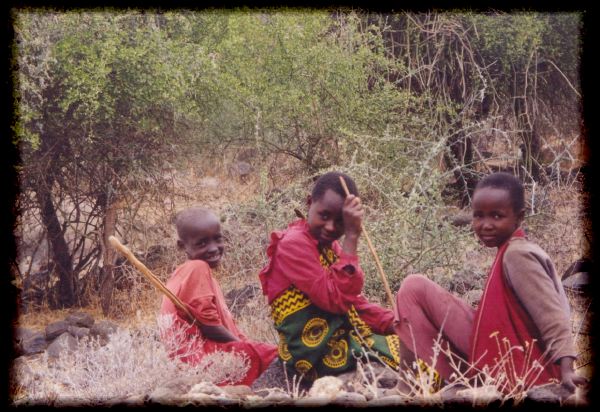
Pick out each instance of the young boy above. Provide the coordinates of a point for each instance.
(523, 315)
(313, 286)
(199, 232)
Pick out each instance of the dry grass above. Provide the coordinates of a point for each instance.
(555, 225)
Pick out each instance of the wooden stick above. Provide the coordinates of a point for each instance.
(377, 262)
(151, 277)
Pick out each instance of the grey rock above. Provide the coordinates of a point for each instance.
(206, 388)
(388, 401)
(56, 329)
(350, 399)
(462, 219)
(552, 393)
(64, 342)
(181, 386)
(272, 377)
(78, 332)
(237, 391)
(102, 330)
(32, 344)
(80, 319)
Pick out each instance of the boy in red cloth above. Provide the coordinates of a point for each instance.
(520, 330)
(313, 285)
(199, 232)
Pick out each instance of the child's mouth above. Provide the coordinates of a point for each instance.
(213, 259)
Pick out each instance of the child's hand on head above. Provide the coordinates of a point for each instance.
(353, 215)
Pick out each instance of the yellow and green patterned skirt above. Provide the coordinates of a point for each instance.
(316, 343)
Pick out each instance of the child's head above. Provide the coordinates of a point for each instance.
(326, 201)
(199, 232)
(498, 208)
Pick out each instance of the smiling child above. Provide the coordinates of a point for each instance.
(313, 285)
(199, 235)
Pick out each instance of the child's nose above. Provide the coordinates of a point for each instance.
(330, 226)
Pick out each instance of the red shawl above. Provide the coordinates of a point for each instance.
(501, 322)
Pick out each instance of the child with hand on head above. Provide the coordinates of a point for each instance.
(313, 285)
(199, 235)
(523, 309)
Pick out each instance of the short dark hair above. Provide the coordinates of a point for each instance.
(331, 180)
(508, 182)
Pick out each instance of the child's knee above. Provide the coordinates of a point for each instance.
(412, 286)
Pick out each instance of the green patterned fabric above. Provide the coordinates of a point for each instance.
(316, 343)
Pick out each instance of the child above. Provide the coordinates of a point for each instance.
(313, 286)
(199, 233)
(523, 304)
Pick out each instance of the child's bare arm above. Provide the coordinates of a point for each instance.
(217, 333)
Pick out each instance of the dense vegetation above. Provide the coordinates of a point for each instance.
(111, 104)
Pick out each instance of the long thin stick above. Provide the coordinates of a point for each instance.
(150, 276)
(372, 249)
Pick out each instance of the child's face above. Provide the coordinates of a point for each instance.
(202, 240)
(325, 219)
(494, 218)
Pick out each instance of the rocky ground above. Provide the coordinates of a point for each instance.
(368, 386)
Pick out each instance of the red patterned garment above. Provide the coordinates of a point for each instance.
(295, 259)
(504, 336)
(193, 283)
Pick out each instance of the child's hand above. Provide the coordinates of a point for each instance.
(353, 215)
(570, 379)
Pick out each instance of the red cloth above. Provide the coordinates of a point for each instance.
(294, 259)
(501, 316)
(193, 283)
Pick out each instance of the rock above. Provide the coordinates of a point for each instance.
(579, 282)
(552, 393)
(327, 387)
(180, 386)
(207, 388)
(56, 329)
(80, 319)
(237, 391)
(388, 401)
(64, 342)
(102, 330)
(240, 169)
(78, 332)
(481, 396)
(33, 343)
(460, 220)
(272, 377)
(238, 298)
(277, 396)
(350, 399)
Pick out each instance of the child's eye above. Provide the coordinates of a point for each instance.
(324, 216)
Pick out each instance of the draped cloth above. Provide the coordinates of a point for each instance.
(193, 283)
(503, 339)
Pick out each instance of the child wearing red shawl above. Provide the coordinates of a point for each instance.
(520, 331)
(214, 329)
(313, 285)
